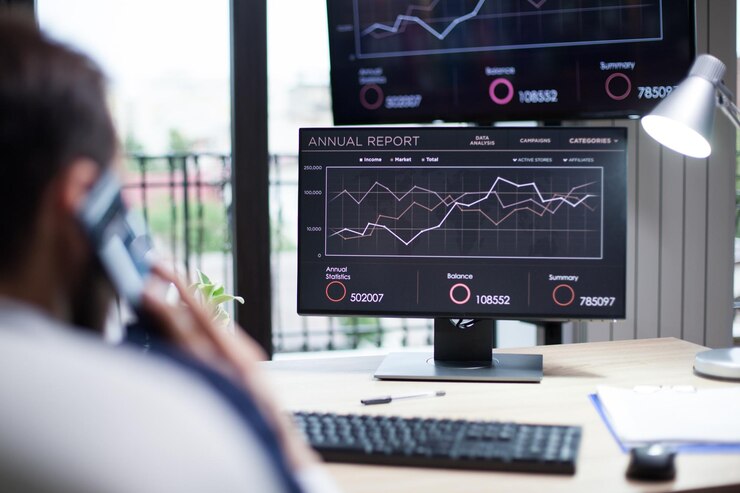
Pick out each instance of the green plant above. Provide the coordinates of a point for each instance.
(212, 296)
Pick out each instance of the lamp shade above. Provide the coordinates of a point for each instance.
(683, 121)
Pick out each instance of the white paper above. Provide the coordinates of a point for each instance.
(673, 416)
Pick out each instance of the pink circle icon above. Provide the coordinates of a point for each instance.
(509, 88)
(371, 89)
(336, 291)
(466, 291)
(563, 295)
(610, 79)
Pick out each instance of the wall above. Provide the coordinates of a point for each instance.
(680, 222)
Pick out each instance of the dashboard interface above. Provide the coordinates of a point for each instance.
(463, 222)
(395, 61)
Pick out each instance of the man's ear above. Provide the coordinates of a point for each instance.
(76, 181)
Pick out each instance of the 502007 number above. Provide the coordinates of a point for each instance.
(366, 297)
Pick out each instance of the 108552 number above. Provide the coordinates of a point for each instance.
(538, 96)
(493, 299)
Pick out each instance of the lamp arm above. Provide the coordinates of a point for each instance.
(725, 102)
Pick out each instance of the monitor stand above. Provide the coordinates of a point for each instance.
(462, 354)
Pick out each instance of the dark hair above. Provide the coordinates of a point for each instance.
(52, 111)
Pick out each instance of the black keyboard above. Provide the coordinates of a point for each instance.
(458, 444)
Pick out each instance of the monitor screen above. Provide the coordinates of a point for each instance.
(523, 223)
(401, 61)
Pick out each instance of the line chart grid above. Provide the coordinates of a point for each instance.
(464, 211)
(395, 28)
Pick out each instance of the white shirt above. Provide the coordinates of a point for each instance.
(78, 416)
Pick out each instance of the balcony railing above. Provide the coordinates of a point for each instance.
(186, 201)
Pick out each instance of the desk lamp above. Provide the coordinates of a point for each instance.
(683, 122)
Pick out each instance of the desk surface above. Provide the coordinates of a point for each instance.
(571, 372)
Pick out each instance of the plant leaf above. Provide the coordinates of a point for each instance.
(204, 279)
(207, 291)
(217, 300)
(212, 295)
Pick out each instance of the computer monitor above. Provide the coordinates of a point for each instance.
(463, 225)
(401, 61)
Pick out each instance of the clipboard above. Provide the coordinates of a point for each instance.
(685, 447)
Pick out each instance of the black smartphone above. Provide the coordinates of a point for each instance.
(118, 236)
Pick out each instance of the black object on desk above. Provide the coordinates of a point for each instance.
(652, 463)
(459, 444)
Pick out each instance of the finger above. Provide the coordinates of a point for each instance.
(201, 317)
(176, 327)
(250, 346)
(160, 315)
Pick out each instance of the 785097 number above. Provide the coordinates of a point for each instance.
(597, 300)
(653, 92)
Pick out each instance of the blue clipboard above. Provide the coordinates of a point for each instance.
(686, 448)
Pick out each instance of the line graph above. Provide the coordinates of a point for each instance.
(538, 206)
(399, 28)
(409, 18)
(464, 211)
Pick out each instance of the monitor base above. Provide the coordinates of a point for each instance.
(422, 366)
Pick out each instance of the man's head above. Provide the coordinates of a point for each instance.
(56, 135)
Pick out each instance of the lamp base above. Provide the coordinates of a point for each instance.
(719, 363)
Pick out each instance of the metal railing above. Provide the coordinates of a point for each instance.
(186, 201)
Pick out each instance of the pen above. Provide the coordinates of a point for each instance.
(389, 398)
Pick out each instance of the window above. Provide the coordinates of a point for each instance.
(168, 64)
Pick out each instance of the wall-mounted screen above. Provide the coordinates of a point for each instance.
(403, 61)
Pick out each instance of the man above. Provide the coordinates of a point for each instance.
(75, 414)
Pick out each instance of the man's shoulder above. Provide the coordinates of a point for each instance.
(74, 406)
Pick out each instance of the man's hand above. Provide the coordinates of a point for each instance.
(235, 355)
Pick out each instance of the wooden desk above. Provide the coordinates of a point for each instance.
(571, 373)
